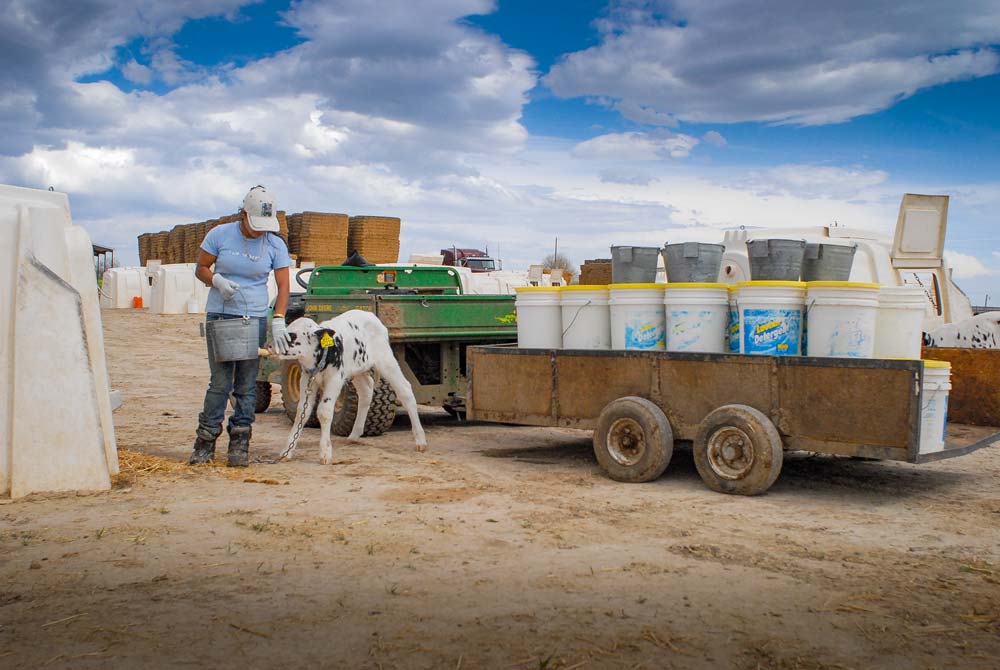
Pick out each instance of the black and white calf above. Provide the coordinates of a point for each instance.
(347, 348)
(980, 332)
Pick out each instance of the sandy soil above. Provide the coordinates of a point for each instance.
(500, 547)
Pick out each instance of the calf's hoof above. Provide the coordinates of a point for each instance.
(421, 448)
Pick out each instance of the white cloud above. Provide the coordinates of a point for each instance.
(715, 138)
(967, 266)
(137, 73)
(779, 61)
(636, 112)
(652, 146)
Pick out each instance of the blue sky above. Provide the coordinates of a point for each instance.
(512, 122)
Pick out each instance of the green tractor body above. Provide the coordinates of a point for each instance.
(430, 320)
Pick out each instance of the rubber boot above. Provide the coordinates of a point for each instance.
(239, 446)
(204, 446)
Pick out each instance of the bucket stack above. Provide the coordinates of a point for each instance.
(374, 237)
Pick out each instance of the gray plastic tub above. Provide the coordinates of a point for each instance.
(828, 262)
(693, 261)
(634, 265)
(775, 259)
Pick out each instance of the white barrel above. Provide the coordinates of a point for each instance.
(734, 323)
(900, 324)
(586, 318)
(841, 319)
(539, 319)
(637, 318)
(697, 317)
(771, 316)
(934, 406)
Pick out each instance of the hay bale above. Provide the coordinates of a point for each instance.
(596, 271)
(321, 237)
(375, 237)
(158, 246)
(145, 245)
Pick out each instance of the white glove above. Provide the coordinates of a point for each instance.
(279, 334)
(226, 287)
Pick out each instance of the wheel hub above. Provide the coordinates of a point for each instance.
(626, 442)
(730, 453)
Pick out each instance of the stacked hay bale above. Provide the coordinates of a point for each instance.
(282, 225)
(176, 238)
(374, 237)
(321, 237)
(596, 271)
(294, 222)
(158, 246)
(145, 245)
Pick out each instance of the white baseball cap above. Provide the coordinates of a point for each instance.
(259, 206)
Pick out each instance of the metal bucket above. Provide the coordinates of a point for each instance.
(828, 262)
(234, 339)
(775, 259)
(693, 261)
(634, 265)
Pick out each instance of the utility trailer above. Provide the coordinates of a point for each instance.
(740, 412)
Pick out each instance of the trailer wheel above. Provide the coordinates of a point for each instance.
(380, 417)
(633, 440)
(738, 450)
(291, 374)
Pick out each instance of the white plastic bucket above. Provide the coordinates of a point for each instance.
(734, 323)
(900, 324)
(586, 318)
(771, 315)
(637, 317)
(841, 317)
(697, 317)
(539, 317)
(934, 407)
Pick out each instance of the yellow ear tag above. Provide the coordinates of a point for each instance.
(326, 341)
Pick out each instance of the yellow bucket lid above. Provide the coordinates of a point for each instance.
(697, 284)
(526, 289)
(614, 286)
(786, 284)
(585, 287)
(841, 284)
(929, 363)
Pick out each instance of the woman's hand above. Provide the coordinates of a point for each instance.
(226, 287)
(279, 334)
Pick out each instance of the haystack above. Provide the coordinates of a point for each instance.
(375, 237)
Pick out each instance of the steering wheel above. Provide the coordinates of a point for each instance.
(298, 277)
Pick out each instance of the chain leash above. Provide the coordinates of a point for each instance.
(298, 429)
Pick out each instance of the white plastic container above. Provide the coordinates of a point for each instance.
(173, 285)
(120, 285)
(771, 317)
(934, 407)
(734, 323)
(539, 317)
(900, 324)
(586, 318)
(637, 316)
(841, 319)
(697, 317)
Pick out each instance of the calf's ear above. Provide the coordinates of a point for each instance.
(325, 338)
(328, 351)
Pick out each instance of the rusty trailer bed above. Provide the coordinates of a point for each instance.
(853, 407)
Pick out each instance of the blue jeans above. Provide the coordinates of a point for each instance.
(236, 378)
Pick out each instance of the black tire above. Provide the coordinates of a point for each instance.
(263, 397)
(633, 440)
(291, 373)
(380, 417)
(738, 450)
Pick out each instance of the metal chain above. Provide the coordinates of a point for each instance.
(298, 429)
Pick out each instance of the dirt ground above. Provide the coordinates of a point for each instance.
(498, 548)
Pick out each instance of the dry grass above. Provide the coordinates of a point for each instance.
(133, 465)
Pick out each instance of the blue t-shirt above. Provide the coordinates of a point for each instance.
(235, 256)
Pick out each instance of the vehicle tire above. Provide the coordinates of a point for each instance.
(738, 450)
(380, 417)
(263, 397)
(291, 374)
(633, 440)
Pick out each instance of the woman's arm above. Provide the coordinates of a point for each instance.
(281, 279)
(204, 269)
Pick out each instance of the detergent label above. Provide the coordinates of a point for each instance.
(734, 331)
(686, 327)
(644, 330)
(772, 332)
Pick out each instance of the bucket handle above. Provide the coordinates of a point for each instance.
(246, 306)
(578, 309)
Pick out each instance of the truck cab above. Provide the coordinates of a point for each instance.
(474, 259)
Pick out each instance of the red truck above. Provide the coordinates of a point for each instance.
(474, 259)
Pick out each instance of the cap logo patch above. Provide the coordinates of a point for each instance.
(265, 209)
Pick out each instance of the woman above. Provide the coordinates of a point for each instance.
(244, 253)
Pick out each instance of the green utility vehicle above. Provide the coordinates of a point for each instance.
(431, 322)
